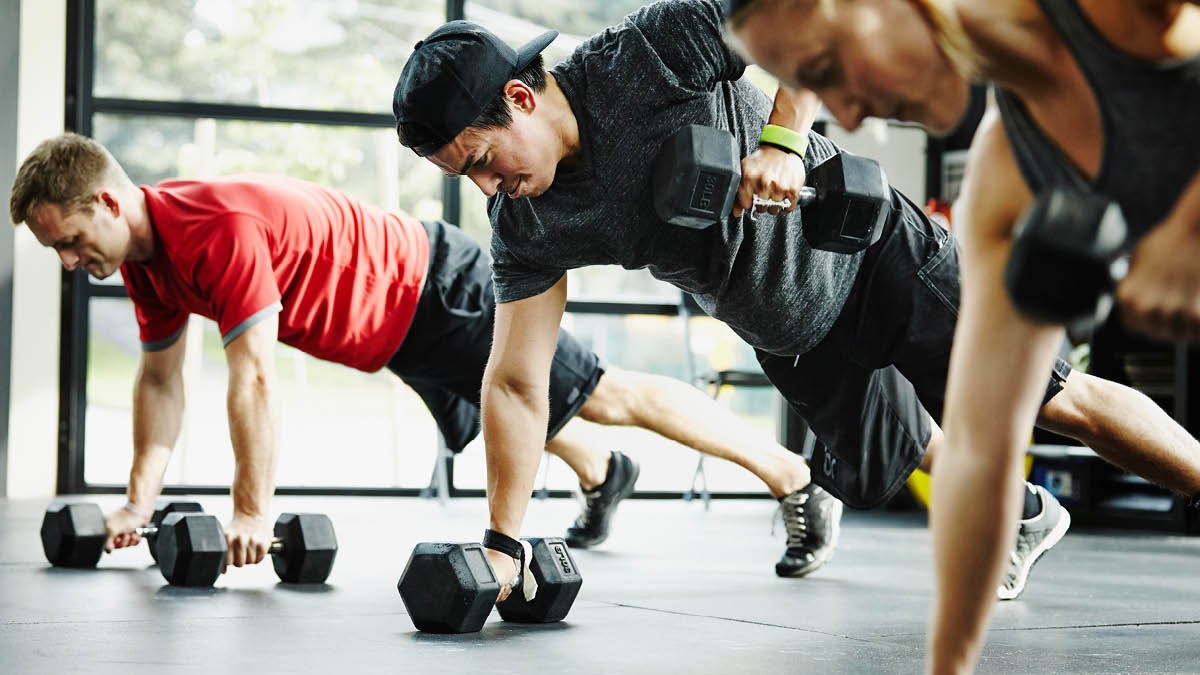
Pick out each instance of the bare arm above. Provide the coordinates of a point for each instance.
(254, 430)
(773, 173)
(1161, 295)
(515, 401)
(157, 415)
(998, 373)
(516, 410)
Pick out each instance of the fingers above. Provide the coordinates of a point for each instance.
(774, 177)
(245, 550)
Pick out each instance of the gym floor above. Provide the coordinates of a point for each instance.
(674, 589)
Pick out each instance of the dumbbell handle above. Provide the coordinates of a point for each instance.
(807, 196)
(150, 531)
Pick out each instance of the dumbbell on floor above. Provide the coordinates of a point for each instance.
(192, 549)
(450, 588)
(73, 535)
(1067, 258)
(845, 203)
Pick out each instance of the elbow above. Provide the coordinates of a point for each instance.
(498, 387)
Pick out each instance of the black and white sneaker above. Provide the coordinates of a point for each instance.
(812, 518)
(600, 504)
(1035, 536)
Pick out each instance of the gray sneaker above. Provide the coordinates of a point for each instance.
(1035, 536)
(812, 518)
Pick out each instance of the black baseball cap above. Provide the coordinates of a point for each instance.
(451, 76)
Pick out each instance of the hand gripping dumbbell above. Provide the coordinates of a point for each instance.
(450, 588)
(73, 535)
(1068, 254)
(844, 205)
(192, 549)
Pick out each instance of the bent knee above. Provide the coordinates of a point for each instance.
(1071, 411)
(611, 402)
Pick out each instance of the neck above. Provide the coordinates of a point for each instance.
(141, 230)
(562, 121)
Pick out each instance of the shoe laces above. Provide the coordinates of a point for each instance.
(791, 511)
(590, 504)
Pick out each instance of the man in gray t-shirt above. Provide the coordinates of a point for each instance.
(858, 344)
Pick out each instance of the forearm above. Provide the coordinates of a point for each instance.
(1186, 213)
(514, 432)
(253, 429)
(157, 418)
(795, 109)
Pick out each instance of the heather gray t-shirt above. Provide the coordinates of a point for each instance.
(631, 88)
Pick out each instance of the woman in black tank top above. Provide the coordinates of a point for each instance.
(1100, 95)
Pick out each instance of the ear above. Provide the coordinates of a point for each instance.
(521, 96)
(109, 201)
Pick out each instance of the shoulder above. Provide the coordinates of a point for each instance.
(994, 193)
(1013, 38)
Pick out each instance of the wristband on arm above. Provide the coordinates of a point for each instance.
(136, 510)
(503, 543)
(785, 139)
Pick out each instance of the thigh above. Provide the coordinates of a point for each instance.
(872, 428)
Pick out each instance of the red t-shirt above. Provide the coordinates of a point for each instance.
(345, 277)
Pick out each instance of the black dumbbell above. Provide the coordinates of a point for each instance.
(1068, 254)
(845, 203)
(73, 535)
(450, 588)
(192, 549)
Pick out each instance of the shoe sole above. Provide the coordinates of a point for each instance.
(621, 496)
(1056, 534)
(817, 563)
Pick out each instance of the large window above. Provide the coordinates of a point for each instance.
(203, 88)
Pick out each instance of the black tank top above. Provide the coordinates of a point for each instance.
(1150, 113)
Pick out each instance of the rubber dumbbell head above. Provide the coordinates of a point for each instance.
(73, 535)
(161, 510)
(696, 176)
(304, 549)
(558, 581)
(448, 588)
(853, 203)
(191, 549)
(1066, 259)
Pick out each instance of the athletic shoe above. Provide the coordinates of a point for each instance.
(600, 504)
(1035, 536)
(812, 518)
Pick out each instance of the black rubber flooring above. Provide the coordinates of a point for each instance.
(674, 590)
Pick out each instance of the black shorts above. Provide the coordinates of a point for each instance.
(446, 349)
(869, 389)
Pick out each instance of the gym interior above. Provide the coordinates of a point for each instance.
(209, 88)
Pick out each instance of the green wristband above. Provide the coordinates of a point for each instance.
(784, 139)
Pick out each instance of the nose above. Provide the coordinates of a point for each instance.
(488, 183)
(848, 111)
(69, 259)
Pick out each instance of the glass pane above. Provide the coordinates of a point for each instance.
(655, 344)
(316, 54)
(364, 162)
(340, 427)
(518, 21)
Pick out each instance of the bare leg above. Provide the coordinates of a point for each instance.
(936, 439)
(1126, 428)
(683, 414)
(588, 462)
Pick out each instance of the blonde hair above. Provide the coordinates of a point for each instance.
(941, 16)
(66, 171)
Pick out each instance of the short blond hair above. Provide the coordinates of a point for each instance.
(941, 15)
(66, 171)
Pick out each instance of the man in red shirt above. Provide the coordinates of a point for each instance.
(271, 258)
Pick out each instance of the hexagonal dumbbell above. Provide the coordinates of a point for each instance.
(450, 588)
(73, 535)
(192, 549)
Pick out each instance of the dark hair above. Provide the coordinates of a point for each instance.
(495, 115)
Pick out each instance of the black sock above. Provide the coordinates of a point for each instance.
(1033, 503)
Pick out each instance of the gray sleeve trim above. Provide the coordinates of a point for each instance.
(160, 345)
(236, 332)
